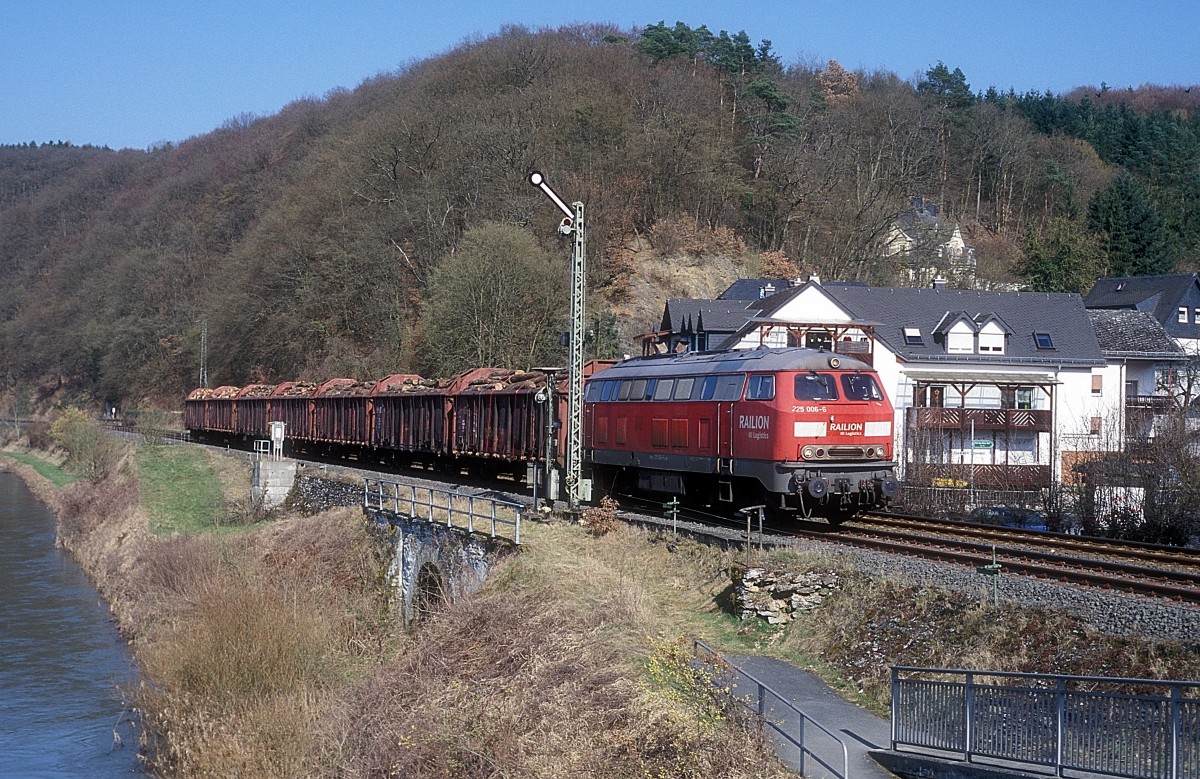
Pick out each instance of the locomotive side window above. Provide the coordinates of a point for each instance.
(816, 386)
(761, 388)
(609, 391)
(856, 386)
(729, 387)
(708, 387)
(662, 391)
(683, 389)
(623, 392)
(639, 390)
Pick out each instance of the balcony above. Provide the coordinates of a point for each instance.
(995, 477)
(1030, 420)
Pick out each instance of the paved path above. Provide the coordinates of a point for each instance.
(858, 729)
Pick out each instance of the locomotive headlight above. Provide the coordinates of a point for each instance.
(807, 452)
(870, 452)
(835, 362)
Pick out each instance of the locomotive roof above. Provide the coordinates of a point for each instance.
(792, 359)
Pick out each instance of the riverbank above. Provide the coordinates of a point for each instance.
(270, 649)
(268, 645)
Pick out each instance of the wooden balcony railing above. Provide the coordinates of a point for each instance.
(1039, 421)
(1158, 405)
(996, 477)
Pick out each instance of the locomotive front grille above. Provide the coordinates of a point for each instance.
(847, 452)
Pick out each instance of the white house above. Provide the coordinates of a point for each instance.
(1001, 388)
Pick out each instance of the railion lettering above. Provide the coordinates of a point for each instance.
(754, 422)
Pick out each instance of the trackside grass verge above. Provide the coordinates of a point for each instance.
(181, 492)
(44, 468)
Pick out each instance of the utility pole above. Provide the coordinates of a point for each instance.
(203, 352)
(572, 225)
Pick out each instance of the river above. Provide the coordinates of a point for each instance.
(62, 662)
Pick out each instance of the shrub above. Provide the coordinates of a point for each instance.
(601, 520)
(91, 453)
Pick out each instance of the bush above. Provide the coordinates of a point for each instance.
(91, 453)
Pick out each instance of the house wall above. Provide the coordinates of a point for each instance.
(1089, 422)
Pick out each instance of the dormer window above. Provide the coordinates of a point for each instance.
(1182, 317)
(1043, 340)
(912, 337)
(991, 339)
(960, 341)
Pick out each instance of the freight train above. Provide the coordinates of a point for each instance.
(798, 431)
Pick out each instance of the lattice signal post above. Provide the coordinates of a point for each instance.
(572, 225)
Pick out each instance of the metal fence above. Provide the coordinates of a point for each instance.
(496, 518)
(1134, 728)
(789, 725)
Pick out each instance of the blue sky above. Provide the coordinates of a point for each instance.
(134, 73)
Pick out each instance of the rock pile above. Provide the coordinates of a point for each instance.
(776, 596)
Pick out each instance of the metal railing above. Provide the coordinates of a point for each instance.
(452, 509)
(791, 725)
(1135, 728)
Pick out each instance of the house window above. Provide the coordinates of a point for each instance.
(1043, 340)
(960, 343)
(912, 337)
(991, 342)
(1095, 427)
(937, 397)
(1025, 398)
(1097, 384)
(1196, 315)
(819, 339)
(1183, 315)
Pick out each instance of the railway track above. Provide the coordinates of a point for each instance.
(1141, 569)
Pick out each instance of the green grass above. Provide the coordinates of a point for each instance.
(181, 492)
(57, 476)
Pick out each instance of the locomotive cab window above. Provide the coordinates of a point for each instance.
(858, 386)
(816, 386)
(728, 387)
(761, 388)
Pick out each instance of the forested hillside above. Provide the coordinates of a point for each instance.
(392, 227)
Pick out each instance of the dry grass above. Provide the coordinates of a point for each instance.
(874, 624)
(522, 681)
(270, 651)
(255, 636)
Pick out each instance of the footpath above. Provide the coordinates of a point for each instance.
(860, 730)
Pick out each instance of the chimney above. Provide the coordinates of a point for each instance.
(939, 283)
(814, 278)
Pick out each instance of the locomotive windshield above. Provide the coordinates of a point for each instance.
(858, 386)
(816, 386)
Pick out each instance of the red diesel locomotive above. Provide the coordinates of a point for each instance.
(796, 430)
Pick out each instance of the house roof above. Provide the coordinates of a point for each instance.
(712, 316)
(751, 289)
(1124, 333)
(1159, 295)
(1061, 315)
